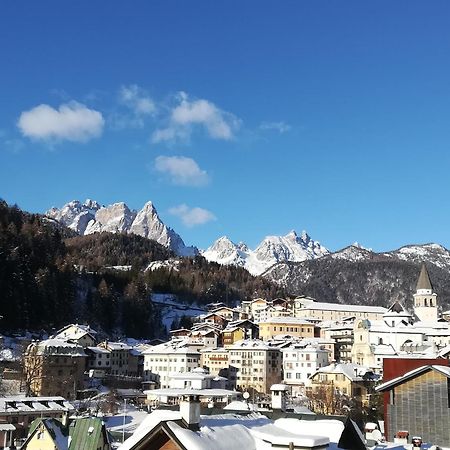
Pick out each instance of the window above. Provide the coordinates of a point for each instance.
(392, 396)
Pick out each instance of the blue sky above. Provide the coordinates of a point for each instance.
(235, 118)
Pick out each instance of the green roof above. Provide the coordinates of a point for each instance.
(86, 434)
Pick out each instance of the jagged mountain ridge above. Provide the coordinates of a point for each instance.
(355, 275)
(272, 250)
(90, 217)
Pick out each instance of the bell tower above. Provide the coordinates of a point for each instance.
(425, 300)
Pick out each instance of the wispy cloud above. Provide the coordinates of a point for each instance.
(137, 100)
(72, 121)
(281, 127)
(188, 114)
(181, 170)
(135, 105)
(192, 217)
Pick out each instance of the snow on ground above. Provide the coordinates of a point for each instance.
(173, 309)
(12, 347)
(166, 264)
(132, 417)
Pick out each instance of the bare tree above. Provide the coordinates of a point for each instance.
(33, 360)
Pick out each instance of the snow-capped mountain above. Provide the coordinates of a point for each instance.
(362, 276)
(224, 251)
(75, 215)
(272, 250)
(89, 217)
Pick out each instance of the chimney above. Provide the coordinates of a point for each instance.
(190, 411)
(279, 394)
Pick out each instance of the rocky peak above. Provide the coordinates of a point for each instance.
(90, 217)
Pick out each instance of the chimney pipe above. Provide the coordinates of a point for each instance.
(190, 411)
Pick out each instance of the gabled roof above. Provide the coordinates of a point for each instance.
(396, 307)
(444, 370)
(424, 280)
(55, 429)
(87, 434)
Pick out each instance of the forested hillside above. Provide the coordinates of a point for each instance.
(48, 278)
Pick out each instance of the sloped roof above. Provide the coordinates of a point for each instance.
(396, 307)
(86, 434)
(56, 430)
(444, 370)
(424, 280)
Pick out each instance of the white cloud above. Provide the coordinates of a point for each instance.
(136, 106)
(73, 121)
(188, 114)
(192, 216)
(181, 170)
(137, 100)
(281, 127)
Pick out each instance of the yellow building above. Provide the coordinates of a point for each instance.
(258, 366)
(232, 335)
(345, 379)
(54, 367)
(293, 326)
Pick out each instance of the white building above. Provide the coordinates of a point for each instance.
(198, 378)
(300, 362)
(399, 334)
(167, 359)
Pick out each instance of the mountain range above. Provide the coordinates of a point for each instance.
(90, 217)
(296, 263)
(272, 250)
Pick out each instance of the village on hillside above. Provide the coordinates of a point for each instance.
(279, 373)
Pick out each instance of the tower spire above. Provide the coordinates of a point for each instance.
(424, 279)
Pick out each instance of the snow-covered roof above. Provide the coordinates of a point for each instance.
(234, 431)
(118, 346)
(346, 308)
(58, 347)
(251, 344)
(288, 320)
(444, 370)
(172, 347)
(279, 387)
(99, 350)
(175, 392)
(20, 405)
(354, 372)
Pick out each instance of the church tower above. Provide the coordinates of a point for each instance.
(425, 300)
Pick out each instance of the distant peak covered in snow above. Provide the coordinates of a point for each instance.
(90, 217)
(271, 250)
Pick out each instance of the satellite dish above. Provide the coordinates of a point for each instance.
(376, 434)
(246, 395)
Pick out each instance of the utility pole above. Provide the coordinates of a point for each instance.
(124, 416)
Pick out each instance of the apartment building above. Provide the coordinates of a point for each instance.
(164, 360)
(300, 362)
(54, 367)
(217, 361)
(258, 365)
(307, 307)
(123, 361)
(293, 326)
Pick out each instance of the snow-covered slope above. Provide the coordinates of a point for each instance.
(89, 217)
(271, 250)
(226, 252)
(434, 253)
